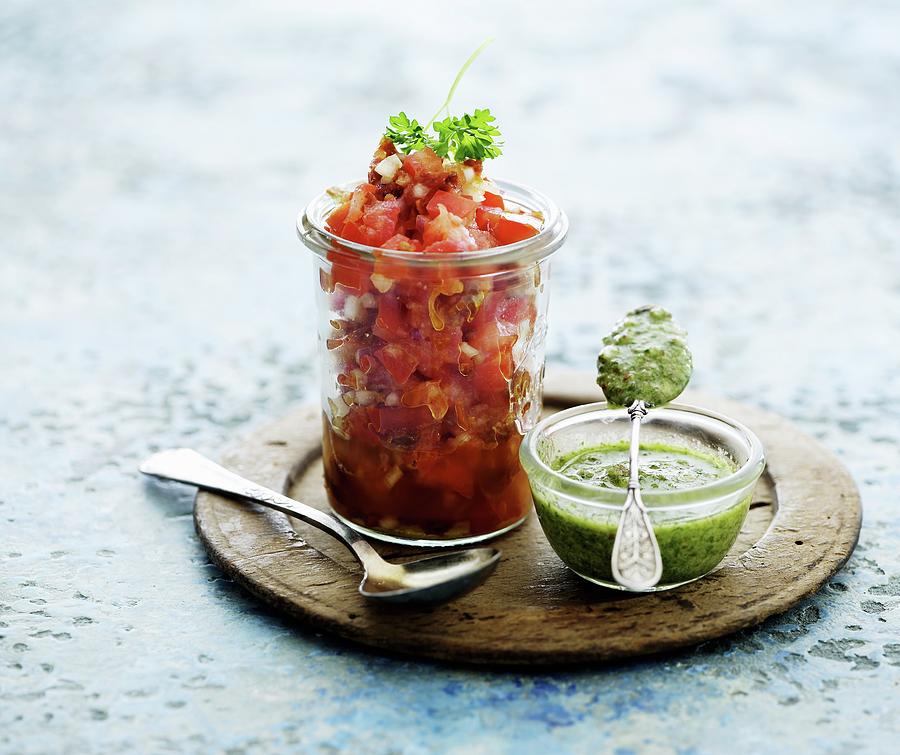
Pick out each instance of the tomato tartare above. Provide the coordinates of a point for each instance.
(423, 203)
(433, 347)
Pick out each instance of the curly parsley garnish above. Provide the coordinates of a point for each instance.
(407, 135)
(469, 137)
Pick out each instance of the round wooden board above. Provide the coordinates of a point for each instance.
(803, 524)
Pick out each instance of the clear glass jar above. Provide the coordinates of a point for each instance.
(432, 369)
(695, 527)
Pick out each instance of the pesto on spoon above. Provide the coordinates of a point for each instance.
(644, 362)
(645, 358)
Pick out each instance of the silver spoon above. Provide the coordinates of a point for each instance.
(425, 580)
(636, 560)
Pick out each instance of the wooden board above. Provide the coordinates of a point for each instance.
(803, 525)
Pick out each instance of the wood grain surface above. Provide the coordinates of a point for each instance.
(803, 524)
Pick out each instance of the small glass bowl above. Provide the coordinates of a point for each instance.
(695, 527)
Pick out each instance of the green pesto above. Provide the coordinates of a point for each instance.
(661, 467)
(646, 357)
(689, 547)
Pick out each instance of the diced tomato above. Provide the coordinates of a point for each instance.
(438, 312)
(358, 201)
(447, 473)
(461, 415)
(427, 394)
(484, 239)
(486, 218)
(450, 228)
(492, 200)
(448, 245)
(507, 308)
(485, 337)
(395, 419)
(365, 362)
(359, 422)
(349, 271)
(336, 219)
(389, 323)
(456, 204)
(506, 360)
(493, 367)
(380, 220)
(389, 269)
(434, 351)
(487, 380)
(424, 166)
(447, 344)
(510, 231)
(354, 232)
(488, 376)
(504, 229)
(401, 243)
(484, 334)
(397, 361)
(364, 219)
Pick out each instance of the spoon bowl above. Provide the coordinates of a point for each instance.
(431, 579)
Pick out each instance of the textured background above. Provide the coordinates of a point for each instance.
(738, 163)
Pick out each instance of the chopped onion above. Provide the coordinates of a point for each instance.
(338, 195)
(393, 476)
(388, 167)
(338, 409)
(469, 350)
(366, 398)
(381, 282)
(352, 308)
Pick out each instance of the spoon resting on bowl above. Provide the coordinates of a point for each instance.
(644, 362)
(636, 560)
(425, 580)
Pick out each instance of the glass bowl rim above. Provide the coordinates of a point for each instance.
(312, 232)
(593, 496)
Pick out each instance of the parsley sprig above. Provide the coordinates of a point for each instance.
(469, 137)
(407, 135)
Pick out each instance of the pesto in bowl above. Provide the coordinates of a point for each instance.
(698, 473)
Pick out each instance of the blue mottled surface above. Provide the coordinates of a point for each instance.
(738, 163)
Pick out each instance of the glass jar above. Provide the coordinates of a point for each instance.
(695, 527)
(432, 369)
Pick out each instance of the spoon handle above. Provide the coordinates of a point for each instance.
(636, 560)
(188, 466)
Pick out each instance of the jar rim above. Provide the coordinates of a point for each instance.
(673, 500)
(312, 232)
